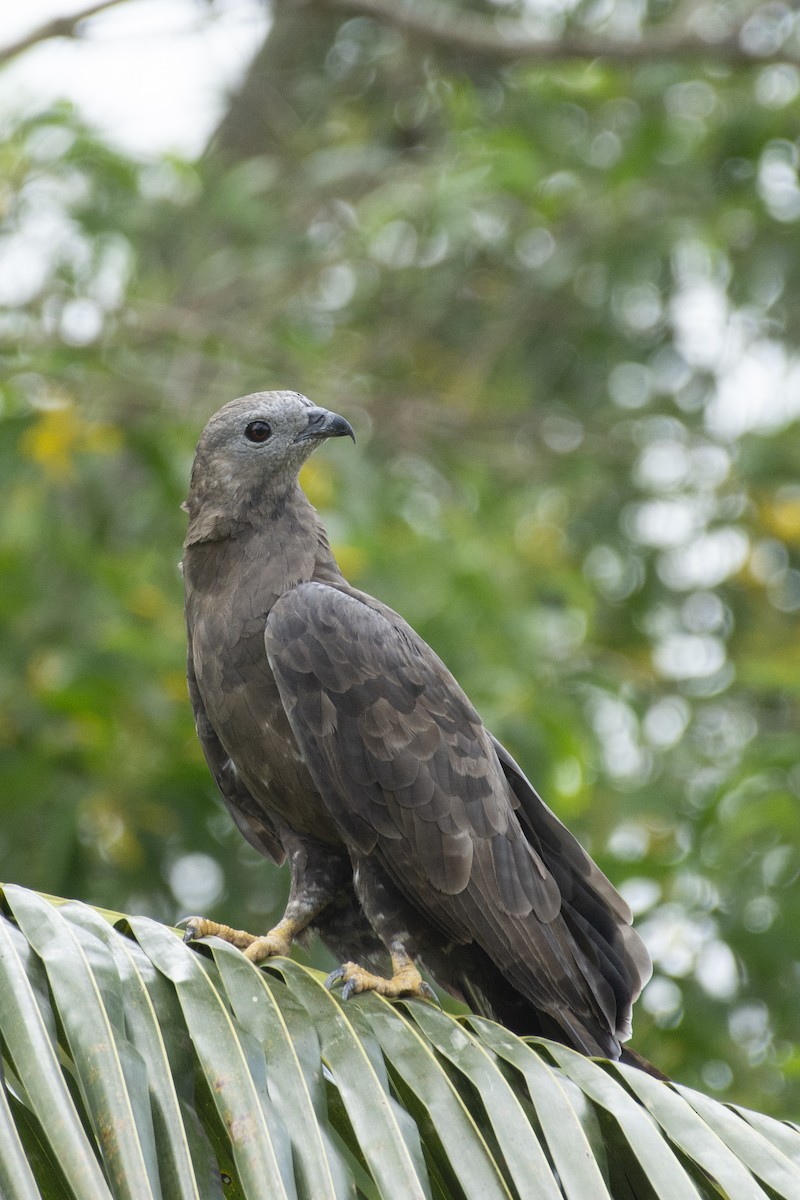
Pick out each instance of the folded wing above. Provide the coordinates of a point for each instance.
(412, 777)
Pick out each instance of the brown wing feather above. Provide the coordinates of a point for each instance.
(408, 771)
(401, 752)
(600, 918)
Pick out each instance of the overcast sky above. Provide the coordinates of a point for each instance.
(151, 74)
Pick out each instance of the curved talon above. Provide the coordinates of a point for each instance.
(427, 991)
(202, 927)
(192, 928)
(405, 981)
(278, 942)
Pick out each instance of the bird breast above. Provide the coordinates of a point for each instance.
(226, 629)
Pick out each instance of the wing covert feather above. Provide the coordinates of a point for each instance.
(408, 771)
(397, 750)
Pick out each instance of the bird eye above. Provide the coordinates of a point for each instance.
(258, 431)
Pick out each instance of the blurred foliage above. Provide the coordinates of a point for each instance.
(560, 306)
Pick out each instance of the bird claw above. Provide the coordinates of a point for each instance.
(334, 977)
(202, 927)
(192, 928)
(427, 991)
(404, 982)
(350, 984)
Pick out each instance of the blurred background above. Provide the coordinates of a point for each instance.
(544, 256)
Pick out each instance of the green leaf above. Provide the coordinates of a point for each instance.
(453, 1138)
(517, 1141)
(16, 1148)
(122, 978)
(122, 1046)
(258, 1139)
(681, 1124)
(781, 1133)
(386, 1136)
(110, 1073)
(763, 1157)
(267, 1010)
(635, 1137)
(26, 1037)
(561, 1125)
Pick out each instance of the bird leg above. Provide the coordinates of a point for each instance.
(405, 981)
(277, 942)
(318, 878)
(200, 927)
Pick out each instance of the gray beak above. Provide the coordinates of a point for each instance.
(324, 424)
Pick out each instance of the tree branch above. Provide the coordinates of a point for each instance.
(510, 42)
(500, 42)
(59, 27)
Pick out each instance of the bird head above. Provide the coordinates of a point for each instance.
(251, 451)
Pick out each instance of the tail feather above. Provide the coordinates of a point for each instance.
(633, 1058)
(494, 998)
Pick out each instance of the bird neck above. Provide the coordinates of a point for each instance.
(217, 519)
(284, 541)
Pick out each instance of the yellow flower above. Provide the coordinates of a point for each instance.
(60, 433)
(782, 517)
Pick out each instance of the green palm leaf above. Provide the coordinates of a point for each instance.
(137, 1067)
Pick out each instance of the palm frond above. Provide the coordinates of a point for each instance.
(139, 1068)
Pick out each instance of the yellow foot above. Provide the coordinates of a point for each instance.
(277, 942)
(406, 981)
(200, 927)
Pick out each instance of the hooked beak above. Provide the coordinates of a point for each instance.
(324, 424)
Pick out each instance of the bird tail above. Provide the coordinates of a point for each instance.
(634, 1059)
(495, 999)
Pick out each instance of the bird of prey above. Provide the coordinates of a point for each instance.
(341, 742)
